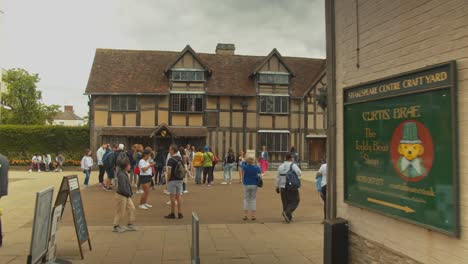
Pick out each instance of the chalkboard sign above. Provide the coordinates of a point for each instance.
(41, 225)
(78, 216)
(70, 187)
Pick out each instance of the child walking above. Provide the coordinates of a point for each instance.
(86, 165)
(124, 206)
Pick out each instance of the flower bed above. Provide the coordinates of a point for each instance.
(18, 162)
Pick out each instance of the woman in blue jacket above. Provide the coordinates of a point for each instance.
(250, 181)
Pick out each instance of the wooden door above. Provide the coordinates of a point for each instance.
(317, 151)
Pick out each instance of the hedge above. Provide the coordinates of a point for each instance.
(19, 143)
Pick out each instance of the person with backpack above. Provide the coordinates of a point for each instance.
(176, 173)
(288, 184)
(208, 158)
(198, 165)
(108, 161)
(86, 166)
(228, 165)
(322, 172)
(146, 173)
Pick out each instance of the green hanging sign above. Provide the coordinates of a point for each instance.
(400, 147)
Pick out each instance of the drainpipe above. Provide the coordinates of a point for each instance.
(331, 109)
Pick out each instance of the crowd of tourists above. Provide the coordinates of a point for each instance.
(44, 162)
(141, 169)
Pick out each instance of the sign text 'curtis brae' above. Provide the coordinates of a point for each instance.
(403, 84)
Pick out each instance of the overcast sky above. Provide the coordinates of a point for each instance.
(58, 38)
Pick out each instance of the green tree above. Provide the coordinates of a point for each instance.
(25, 100)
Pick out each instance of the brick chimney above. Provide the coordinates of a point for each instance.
(68, 108)
(225, 49)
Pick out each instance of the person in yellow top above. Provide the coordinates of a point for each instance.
(197, 163)
(208, 158)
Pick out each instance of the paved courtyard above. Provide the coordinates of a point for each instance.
(224, 236)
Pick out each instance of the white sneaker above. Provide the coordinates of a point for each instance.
(148, 205)
(224, 183)
(139, 192)
(132, 227)
(169, 203)
(38, 170)
(119, 229)
(185, 191)
(30, 171)
(143, 207)
(230, 183)
(166, 192)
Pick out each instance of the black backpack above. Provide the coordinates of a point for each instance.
(108, 159)
(121, 157)
(230, 158)
(179, 172)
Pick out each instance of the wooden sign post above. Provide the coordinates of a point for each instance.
(71, 188)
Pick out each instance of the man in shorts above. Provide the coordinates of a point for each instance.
(174, 185)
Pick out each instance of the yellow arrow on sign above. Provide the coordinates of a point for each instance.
(396, 206)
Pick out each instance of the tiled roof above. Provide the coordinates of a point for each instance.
(66, 116)
(140, 71)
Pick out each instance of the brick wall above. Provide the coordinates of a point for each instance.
(395, 37)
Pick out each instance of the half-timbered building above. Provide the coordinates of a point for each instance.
(222, 100)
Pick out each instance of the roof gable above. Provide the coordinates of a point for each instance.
(66, 116)
(275, 61)
(143, 72)
(190, 54)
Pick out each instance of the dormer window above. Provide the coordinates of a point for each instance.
(273, 78)
(188, 75)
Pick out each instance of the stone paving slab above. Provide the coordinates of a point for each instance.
(221, 242)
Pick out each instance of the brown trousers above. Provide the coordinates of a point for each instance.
(124, 207)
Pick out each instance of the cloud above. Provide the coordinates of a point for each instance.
(57, 39)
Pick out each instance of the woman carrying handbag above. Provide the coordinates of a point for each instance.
(251, 183)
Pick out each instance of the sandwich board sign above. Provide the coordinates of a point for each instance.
(41, 226)
(70, 189)
(400, 147)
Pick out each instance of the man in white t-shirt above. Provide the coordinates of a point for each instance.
(323, 192)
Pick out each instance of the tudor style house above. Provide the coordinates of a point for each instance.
(223, 100)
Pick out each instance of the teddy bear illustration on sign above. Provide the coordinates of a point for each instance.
(411, 149)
